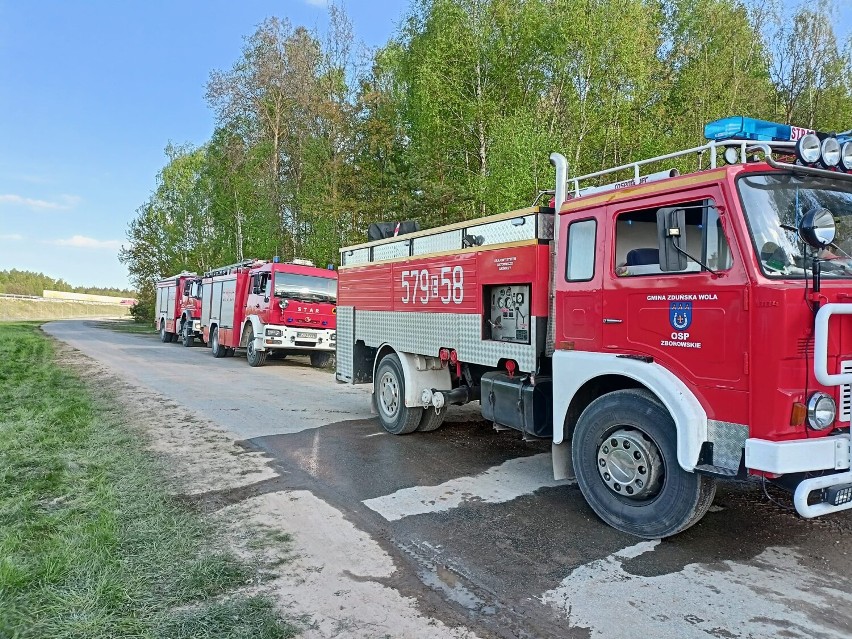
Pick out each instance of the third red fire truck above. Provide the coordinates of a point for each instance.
(270, 307)
(664, 332)
(178, 308)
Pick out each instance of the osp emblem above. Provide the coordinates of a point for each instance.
(680, 315)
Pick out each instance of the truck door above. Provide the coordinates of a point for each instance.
(691, 321)
(259, 295)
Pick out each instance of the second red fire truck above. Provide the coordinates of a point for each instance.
(270, 308)
(664, 332)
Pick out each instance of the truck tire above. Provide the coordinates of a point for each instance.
(431, 420)
(216, 348)
(322, 359)
(255, 357)
(624, 451)
(187, 337)
(165, 336)
(389, 388)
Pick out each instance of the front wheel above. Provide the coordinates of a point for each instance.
(389, 390)
(255, 357)
(321, 359)
(624, 450)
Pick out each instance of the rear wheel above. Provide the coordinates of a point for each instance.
(255, 357)
(389, 389)
(216, 347)
(624, 450)
(431, 420)
(165, 336)
(322, 359)
(187, 337)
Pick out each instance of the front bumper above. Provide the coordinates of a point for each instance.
(833, 453)
(296, 338)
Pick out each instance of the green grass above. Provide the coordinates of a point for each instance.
(91, 544)
(129, 326)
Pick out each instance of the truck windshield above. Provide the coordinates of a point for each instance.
(774, 205)
(307, 288)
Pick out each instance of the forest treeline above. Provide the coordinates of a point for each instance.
(17, 282)
(456, 115)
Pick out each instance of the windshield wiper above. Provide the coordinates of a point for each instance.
(310, 296)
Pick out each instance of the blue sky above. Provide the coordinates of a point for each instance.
(92, 91)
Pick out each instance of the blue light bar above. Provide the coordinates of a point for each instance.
(741, 128)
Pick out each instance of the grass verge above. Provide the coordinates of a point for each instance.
(91, 544)
(128, 326)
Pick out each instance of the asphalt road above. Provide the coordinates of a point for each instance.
(481, 532)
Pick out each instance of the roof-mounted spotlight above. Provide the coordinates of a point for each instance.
(846, 156)
(830, 152)
(732, 155)
(808, 149)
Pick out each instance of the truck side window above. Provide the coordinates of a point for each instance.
(636, 251)
(580, 260)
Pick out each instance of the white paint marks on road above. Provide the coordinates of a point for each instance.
(726, 599)
(508, 481)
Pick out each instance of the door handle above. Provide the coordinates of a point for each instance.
(609, 320)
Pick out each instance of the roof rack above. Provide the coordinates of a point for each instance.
(230, 268)
(745, 147)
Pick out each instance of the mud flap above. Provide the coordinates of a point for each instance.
(563, 466)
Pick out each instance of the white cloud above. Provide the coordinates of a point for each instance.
(63, 203)
(11, 237)
(317, 3)
(81, 241)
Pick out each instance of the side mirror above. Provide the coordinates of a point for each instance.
(671, 236)
(817, 228)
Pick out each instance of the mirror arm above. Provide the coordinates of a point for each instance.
(680, 250)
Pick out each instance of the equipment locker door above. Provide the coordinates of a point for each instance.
(578, 280)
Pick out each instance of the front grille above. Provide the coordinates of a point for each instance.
(845, 408)
(803, 346)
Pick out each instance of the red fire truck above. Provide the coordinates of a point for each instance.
(178, 307)
(270, 307)
(664, 332)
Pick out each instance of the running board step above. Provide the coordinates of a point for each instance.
(719, 471)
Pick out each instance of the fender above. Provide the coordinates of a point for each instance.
(572, 369)
(257, 327)
(419, 372)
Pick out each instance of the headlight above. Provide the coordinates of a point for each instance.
(333, 336)
(274, 332)
(334, 311)
(808, 148)
(821, 411)
(830, 152)
(284, 304)
(846, 156)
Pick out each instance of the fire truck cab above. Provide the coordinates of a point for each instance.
(174, 306)
(190, 319)
(270, 308)
(664, 332)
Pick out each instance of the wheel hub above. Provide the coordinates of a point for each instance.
(630, 464)
(389, 394)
